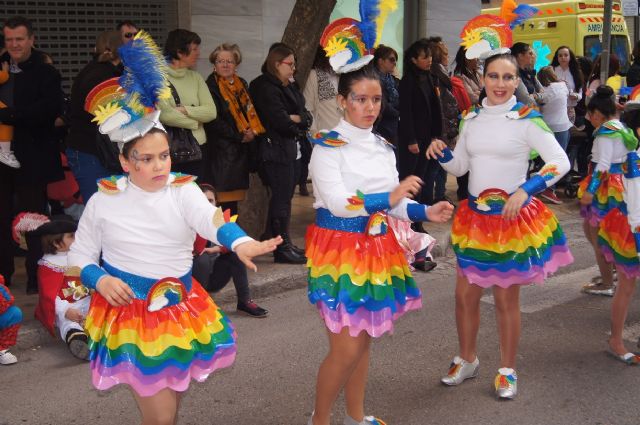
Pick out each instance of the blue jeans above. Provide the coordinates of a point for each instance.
(87, 169)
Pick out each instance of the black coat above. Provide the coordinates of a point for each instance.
(274, 103)
(633, 75)
(420, 114)
(37, 101)
(82, 131)
(229, 167)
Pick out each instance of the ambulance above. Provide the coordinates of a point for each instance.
(577, 24)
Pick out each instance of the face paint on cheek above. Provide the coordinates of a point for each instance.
(136, 159)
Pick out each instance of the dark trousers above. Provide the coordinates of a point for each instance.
(280, 177)
(305, 151)
(214, 271)
(17, 197)
(429, 170)
(463, 187)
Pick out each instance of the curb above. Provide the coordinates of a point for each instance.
(273, 279)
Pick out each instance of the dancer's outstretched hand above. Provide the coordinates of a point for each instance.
(407, 188)
(247, 250)
(440, 212)
(434, 151)
(514, 203)
(587, 199)
(115, 291)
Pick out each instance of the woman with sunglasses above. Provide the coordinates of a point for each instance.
(280, 105)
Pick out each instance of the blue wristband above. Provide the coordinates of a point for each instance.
(594, 184)
(448, 156)
(91, 275)
(375, 202)
(534, 185)
(228, 233)
(417, 212)
(636, 236)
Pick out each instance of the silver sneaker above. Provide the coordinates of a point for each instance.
(9, 159)
(595, 289)
(6, 358)
(506, 383)
(460, 370)
(368, 420)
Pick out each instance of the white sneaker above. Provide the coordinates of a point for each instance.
(7, 358)
(9, 159)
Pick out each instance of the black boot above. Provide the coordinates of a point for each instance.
(285, 234)
(284, 253)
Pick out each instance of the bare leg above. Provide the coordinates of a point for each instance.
(355, 386)
(159, 409)
(467, 317)
(619, 309)
(508, 317)
(345, 353)
(606, 269)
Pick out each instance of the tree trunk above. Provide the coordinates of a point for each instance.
(304, 29)
(307, 22)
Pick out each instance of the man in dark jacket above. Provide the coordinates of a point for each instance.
(34, 99)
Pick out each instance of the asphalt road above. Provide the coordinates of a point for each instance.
(565, 377)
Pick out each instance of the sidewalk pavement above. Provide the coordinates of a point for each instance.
(270, 279)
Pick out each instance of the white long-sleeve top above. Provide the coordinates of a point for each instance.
(149, 234)
(608, 149)
(366, 163)
(495, 150)
(567, 77)
(554, 109)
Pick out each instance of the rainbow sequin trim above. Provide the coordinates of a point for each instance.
(328, 139)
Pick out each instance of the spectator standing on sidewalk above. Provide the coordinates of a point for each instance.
(84, 142)
(280, 106)
(320, 95)
(385, 59)
(553, 106)
(128, 30)
(34, 100)
(196, 107)
(232, 135)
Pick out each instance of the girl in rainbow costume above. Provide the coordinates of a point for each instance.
(615, 156)
(502, 235)
(150, 324)
(602, 190)
(359, 279)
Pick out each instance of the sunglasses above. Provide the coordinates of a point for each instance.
(130, 34)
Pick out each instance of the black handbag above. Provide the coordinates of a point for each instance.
(182, 144)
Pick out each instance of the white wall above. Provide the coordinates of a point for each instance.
(252, 24)
(445, 18)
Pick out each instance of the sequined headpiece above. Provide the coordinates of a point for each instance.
(488, 35)
(349, 43)
(125, 107)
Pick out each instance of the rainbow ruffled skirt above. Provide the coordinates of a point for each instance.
(607, 197)
(493, 251)
(358, 278)
(617, 243)
(164, 348)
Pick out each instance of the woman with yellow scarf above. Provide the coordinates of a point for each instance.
(233, 131)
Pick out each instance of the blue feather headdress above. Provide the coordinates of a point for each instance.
(126, 108)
